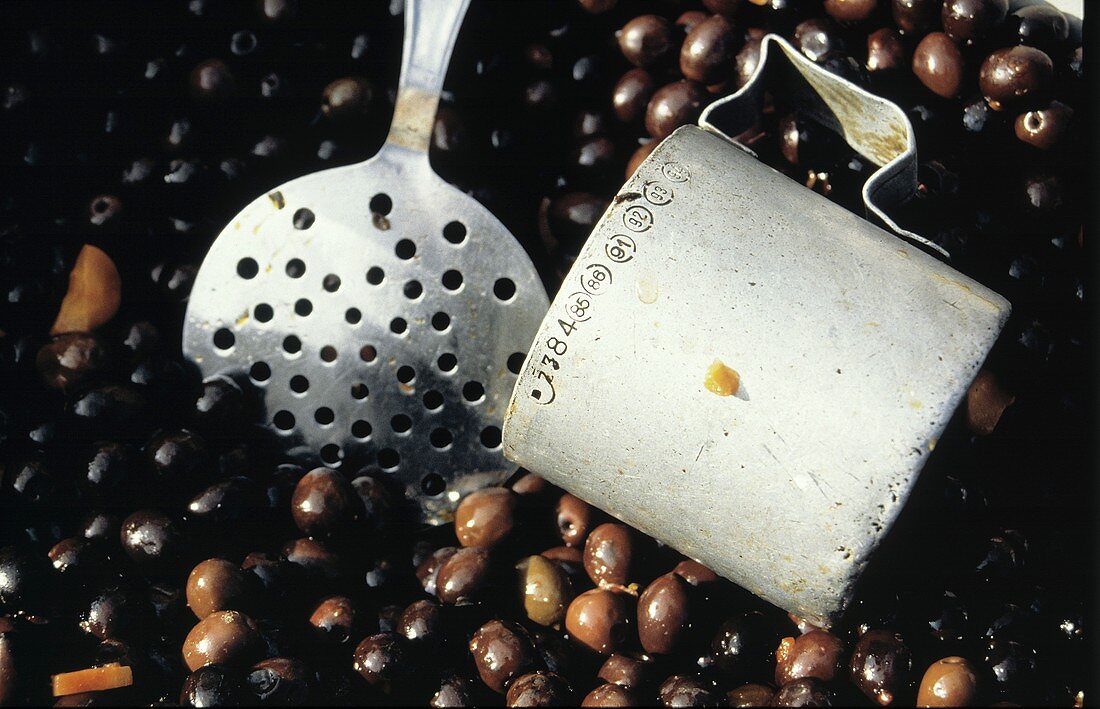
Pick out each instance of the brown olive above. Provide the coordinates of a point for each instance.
(664, 614)
(916, 16)
(880, 666)
(151, 538)
(546, 590)
(600, 620)
(850, 10)
(688, 691)
(280, 681)
(596, 153)
(212, 80)
(218, 585)
(970, 20)
(383, 658)
(939, 65)
(9, 668)
(325, 504)
(1041, 26)
(818, 39)
(723, 7)
(631, 95)
(463, 576)
(950, 682)
(485, 518)
(647, 40)
(540, 689)
(629, 670)
(422, 623)
(689, 19)
(986, 401)
(885, 51)
(1045, 127)
(748, 58)
(69, 360)
(609, 554)
(224, 638)
(708, 50)
(695, 573)
(314, 558)
(1016, 75)
(613, 695)
(597, 7)
(347, 98)
(574, 520)
(455, 691)
(750, 695)
(502, 651)
(817, 654)
(672, 106)
(334, 620)
(804, 692)
(427, 573)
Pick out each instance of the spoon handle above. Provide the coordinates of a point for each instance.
(431, 27)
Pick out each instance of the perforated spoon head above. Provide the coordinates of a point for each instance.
(381, 313)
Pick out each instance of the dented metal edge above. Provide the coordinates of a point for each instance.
(895, 180)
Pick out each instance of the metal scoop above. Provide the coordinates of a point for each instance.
(378, 310)
(843, 351)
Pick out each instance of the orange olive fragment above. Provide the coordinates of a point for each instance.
(94, 294)
(93, 679)
(722, 380)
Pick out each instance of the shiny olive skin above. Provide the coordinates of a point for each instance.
(967, 21)
(486, 517)
(213, 686)
(647, 40)
(463, 576)
(916, 16)
(804, 692)
(609, 554)
(631, 95)
(949, 682)
(218, 585)
(502, 651)
(1046, 127)
(664, 614)
(850, 10)
(382, 658)
(939, 65)
(1015, 76)
(325, 504)
(816, 654)
(880, 665)
(540, 689)
(885, 51)
(600, 620)
(614, 695)
(672, 106)
(224, 638)
(708, 50)
(688, 691)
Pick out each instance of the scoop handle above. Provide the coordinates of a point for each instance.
(431, 27)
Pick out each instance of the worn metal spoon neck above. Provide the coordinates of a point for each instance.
(431, 28)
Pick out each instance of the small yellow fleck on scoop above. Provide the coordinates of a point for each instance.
(721, 379)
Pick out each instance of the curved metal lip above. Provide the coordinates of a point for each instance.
(895, 179)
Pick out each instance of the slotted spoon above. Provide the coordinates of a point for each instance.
(381, 313)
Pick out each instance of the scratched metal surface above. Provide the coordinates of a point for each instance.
(379, 334)
(853, 347)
